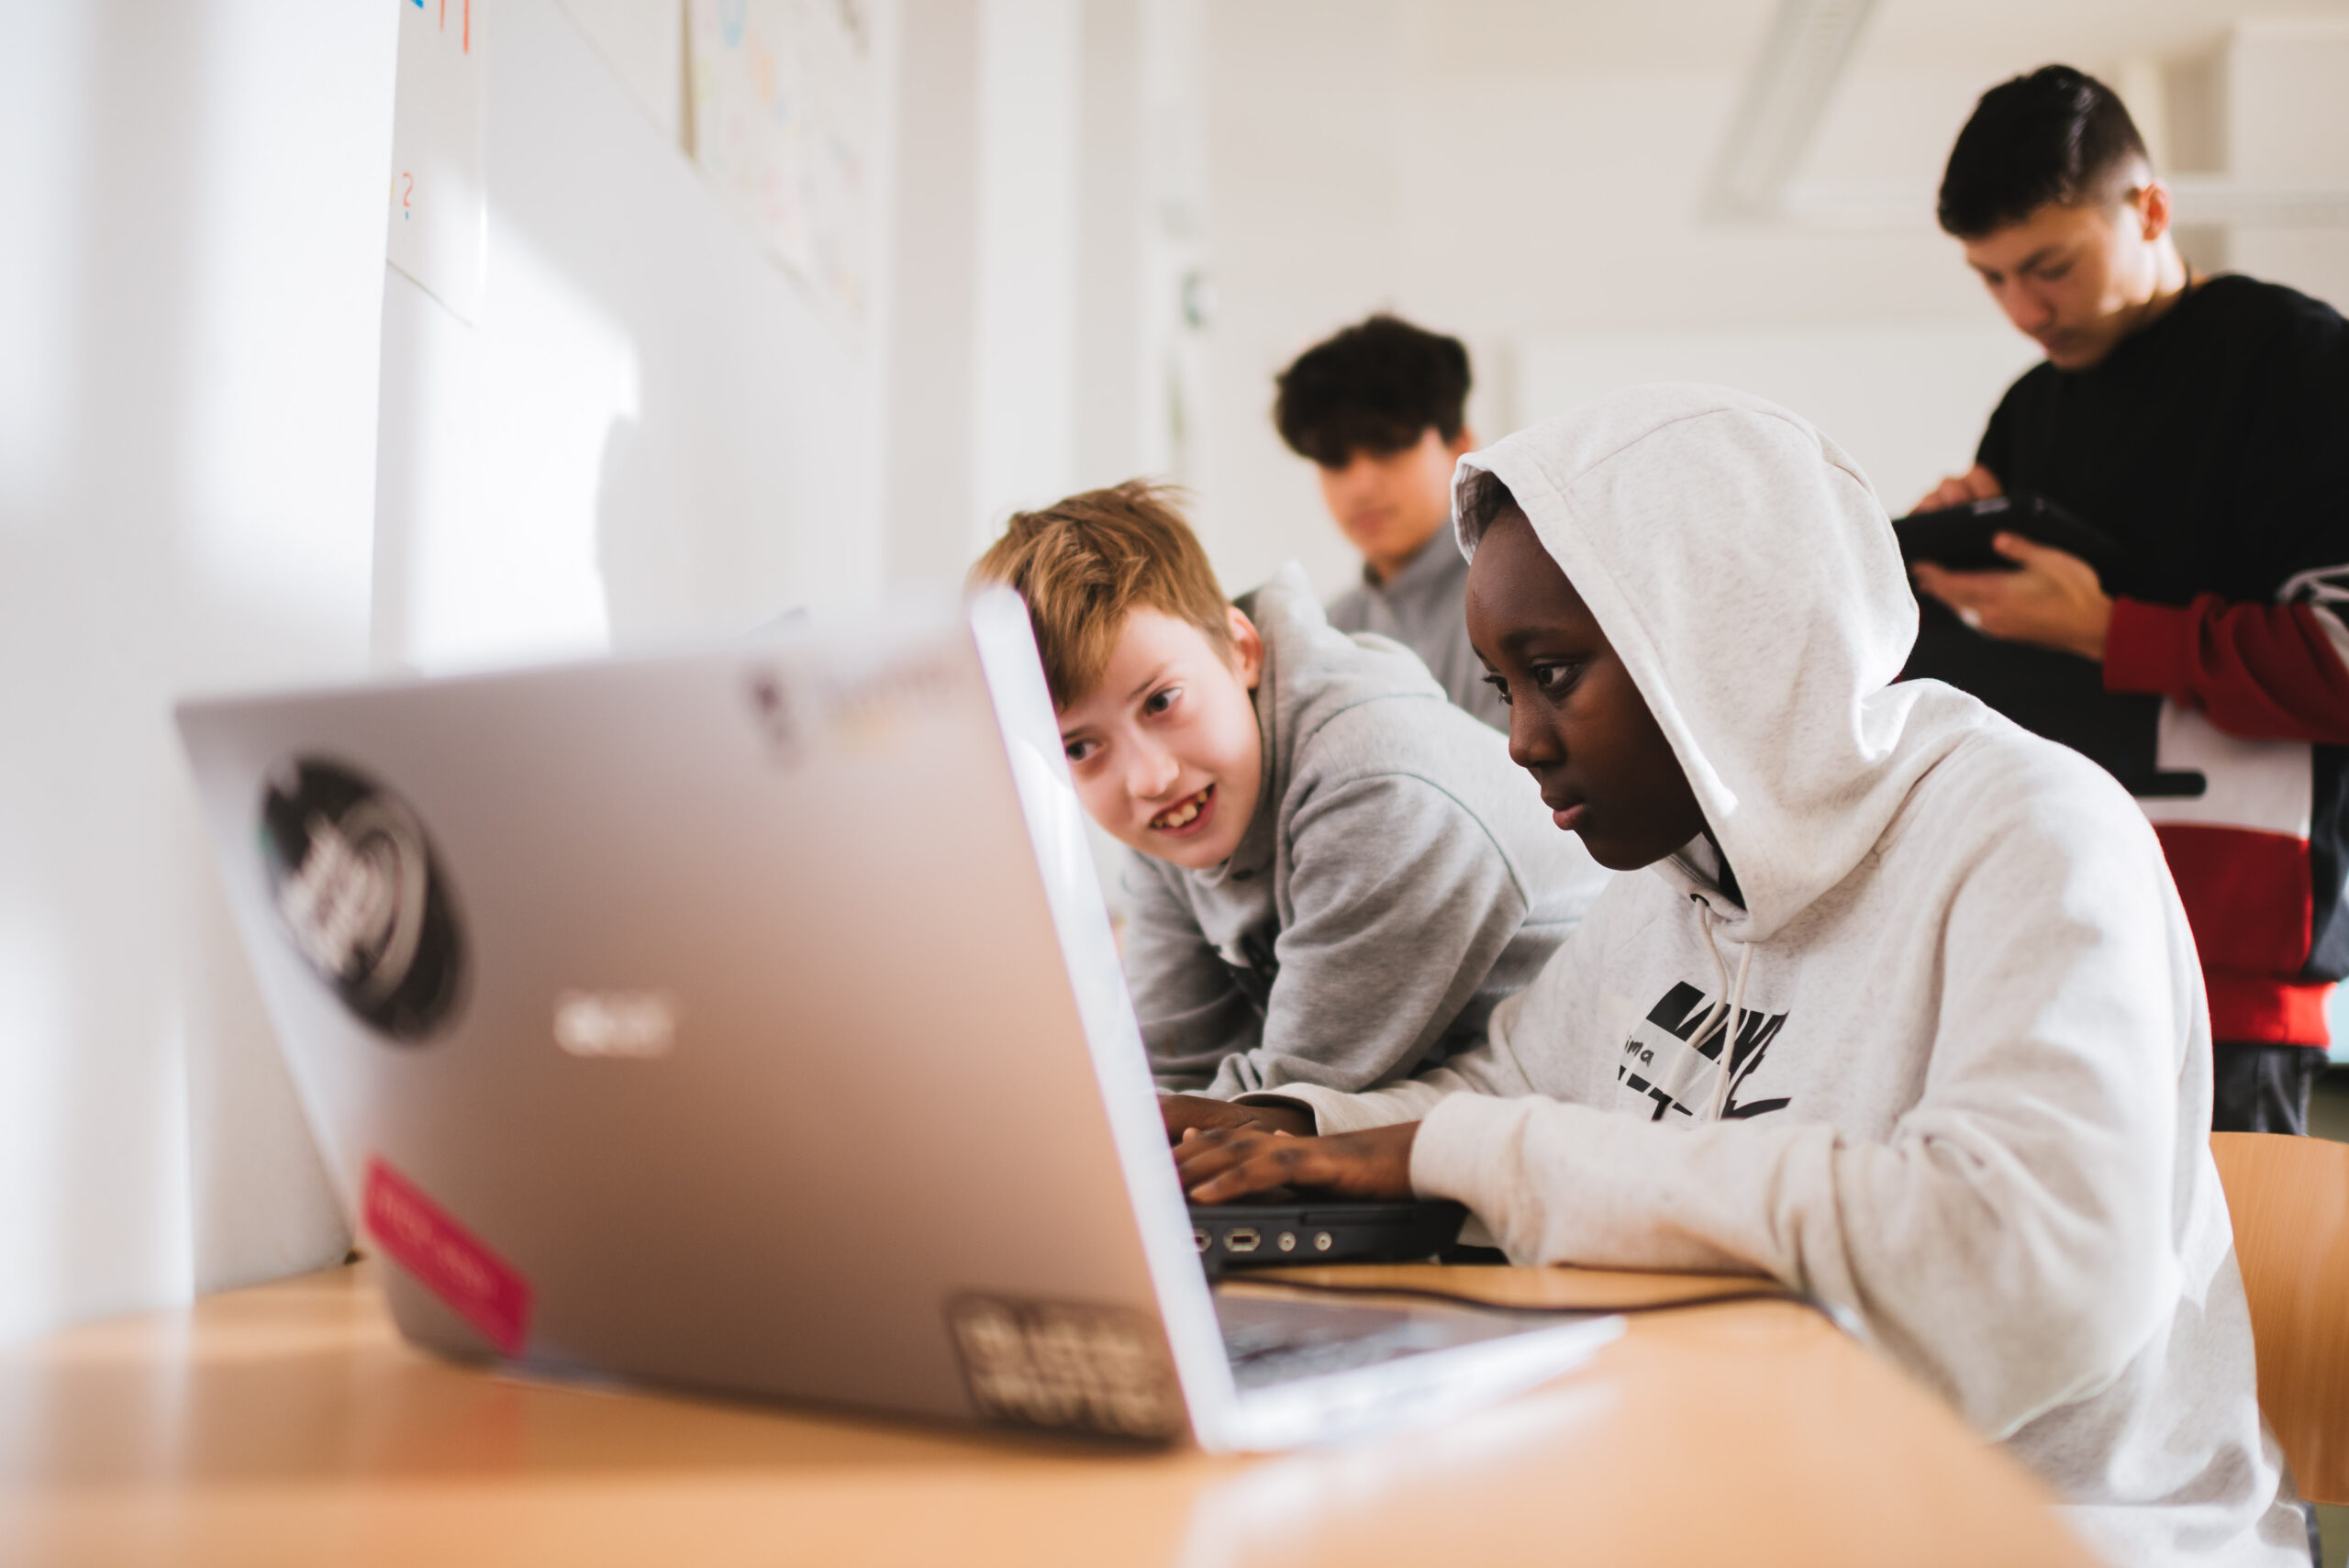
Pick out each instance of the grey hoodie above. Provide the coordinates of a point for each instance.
(1421, 608)
(1969, 1096)
(1398, 878)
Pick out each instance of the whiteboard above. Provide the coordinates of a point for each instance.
(784, 123)
(437, 233)
(650, 435)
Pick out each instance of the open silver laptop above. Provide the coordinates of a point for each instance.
(750, 1020)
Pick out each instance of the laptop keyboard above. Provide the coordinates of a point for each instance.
(1273, 1340)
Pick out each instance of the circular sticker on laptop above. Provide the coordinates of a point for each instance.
(363, 896)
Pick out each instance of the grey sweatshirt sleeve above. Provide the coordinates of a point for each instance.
(1401, 904)
(1490, 1067)
(1191, 1014)
(2008, 1239)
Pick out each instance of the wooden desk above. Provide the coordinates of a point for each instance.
(288, 1424)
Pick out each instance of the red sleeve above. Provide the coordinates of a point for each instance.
(2260, 672)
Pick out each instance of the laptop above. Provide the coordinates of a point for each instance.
(749, 1020)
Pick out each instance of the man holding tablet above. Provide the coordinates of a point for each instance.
(2202, 423)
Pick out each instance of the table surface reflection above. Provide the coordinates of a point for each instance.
(290, 1424)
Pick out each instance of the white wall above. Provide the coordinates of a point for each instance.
(652, 434)
(190, 280)
(1899, 398)
(989, 247)
(1024, 394)
(926, 480)
(1140, 247)
(1046, 220)
(643, 42)
(2287, 110)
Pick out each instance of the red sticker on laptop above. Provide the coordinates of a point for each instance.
(447, 1259)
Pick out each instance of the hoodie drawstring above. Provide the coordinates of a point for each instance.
(1730, 1011)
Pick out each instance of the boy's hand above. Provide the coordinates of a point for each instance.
(1185, 1112)
(2054, 601)
(1224, 1163)
(1976, 483)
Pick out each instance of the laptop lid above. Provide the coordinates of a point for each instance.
(748, 1019)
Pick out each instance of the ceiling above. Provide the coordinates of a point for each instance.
(1860, 120)
(1481, 37)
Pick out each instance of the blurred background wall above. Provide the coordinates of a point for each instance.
(1066, 241)
(191, 282)
(1547, 182)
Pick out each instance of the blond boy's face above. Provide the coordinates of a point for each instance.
(1164, 748)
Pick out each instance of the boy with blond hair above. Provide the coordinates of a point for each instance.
(1340, 872)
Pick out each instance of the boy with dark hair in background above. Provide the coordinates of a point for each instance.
(2202, 423)
(1381, 410)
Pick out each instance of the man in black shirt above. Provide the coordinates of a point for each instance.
(2203, 425)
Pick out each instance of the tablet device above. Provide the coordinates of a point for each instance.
(1958, 537)
(2059, 696)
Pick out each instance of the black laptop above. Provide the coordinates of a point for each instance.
(1323, 1231)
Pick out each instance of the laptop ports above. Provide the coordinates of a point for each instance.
(1202, 1240)
(1241, 1241)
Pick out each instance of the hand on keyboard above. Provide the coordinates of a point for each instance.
(1222, 1163)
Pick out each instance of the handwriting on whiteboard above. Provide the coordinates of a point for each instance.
(782, 116)
(439, 222)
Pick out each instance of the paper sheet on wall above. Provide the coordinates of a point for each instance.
(783, 123)
(440, 214)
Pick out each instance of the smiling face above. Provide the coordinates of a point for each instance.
(1390, 504)
(1577, 722)
(1164, 748)
(2077, 280)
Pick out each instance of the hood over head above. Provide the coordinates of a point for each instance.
(1746, 574)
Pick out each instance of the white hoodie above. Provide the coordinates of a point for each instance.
(1971, 1090)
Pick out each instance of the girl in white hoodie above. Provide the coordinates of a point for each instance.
(1968, 1080)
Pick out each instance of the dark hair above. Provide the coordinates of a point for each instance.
(1376, 386)
(1483, 501)
(2057, 135)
